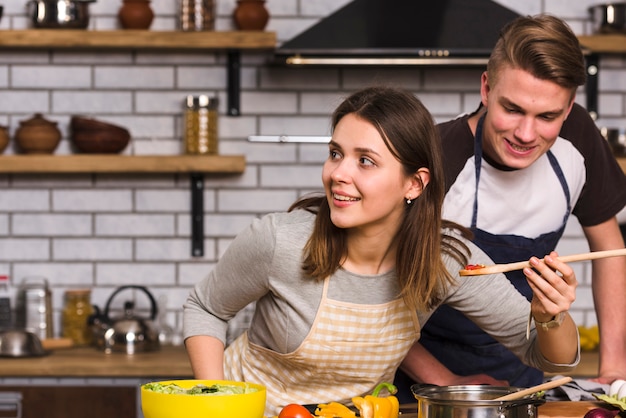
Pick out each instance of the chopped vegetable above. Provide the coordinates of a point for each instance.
(373, 406)
(601, 413)
(334, 410)
(294, 410)
(216, 389)
(475, 266)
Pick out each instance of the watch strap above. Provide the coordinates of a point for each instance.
(553, 323)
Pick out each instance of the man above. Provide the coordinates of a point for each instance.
(539, 157)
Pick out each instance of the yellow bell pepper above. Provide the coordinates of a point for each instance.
(334, 410)
(373, 406)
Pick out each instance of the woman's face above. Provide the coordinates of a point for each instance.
(365, 185)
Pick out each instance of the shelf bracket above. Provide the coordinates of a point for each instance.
(234, 82)
(197, 215)
(591, 86)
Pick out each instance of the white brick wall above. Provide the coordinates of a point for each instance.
(103, 231)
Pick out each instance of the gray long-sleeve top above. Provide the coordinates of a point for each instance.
(263, 264)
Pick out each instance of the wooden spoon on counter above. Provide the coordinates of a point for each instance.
(479, 270)
(544, 386)
(56, 343)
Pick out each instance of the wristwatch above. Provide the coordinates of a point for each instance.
(553, 323)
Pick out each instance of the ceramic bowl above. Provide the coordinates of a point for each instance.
(97, 137)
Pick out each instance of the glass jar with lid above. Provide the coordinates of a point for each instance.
(200, 120)
(75, 316)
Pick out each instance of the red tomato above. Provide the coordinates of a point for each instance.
(293, 410)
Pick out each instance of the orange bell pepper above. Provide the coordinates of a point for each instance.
(373, 406)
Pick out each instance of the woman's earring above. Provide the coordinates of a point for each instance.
(408, 200)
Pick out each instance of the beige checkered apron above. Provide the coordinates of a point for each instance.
(349, 350)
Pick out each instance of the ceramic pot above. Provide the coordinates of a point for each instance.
(4, 138)
(37, 135)
(251, 15)
(135, 14)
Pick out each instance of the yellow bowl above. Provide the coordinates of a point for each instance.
(167, 405)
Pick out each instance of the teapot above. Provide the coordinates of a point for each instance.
(129, 334)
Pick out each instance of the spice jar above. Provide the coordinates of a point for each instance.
(197, 15)
(75, 316)
(200, 131)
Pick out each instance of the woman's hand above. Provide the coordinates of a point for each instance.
(554, 289)
(553, 283)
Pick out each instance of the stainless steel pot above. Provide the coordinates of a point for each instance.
(609, 17)
(59, 14)
(472, 401)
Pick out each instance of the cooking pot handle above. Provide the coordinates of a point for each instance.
(153, 305)
(524, 401)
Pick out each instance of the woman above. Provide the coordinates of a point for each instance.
(342, 282)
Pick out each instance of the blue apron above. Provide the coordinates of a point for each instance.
(456, 341)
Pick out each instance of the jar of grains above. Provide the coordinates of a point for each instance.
(200, 131)
(75, 316)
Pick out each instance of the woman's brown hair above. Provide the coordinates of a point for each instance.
(408, 130)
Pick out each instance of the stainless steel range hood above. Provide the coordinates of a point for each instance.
(401, 32)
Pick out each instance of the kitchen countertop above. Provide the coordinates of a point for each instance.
(167, 362)
(547, 410)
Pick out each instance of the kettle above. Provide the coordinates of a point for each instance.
(129, 334)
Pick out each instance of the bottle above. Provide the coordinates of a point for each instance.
(34, 307)
(75, 316)
(200, 120)
(166, 332)
(6, 321)
(197, 15)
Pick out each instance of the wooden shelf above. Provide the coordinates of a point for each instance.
(136, 39)
(222, 164)
(231, 41)
(604, 44)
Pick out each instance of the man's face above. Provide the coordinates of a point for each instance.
(524, 116)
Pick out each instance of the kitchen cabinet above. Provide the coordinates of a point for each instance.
(70, 381)
(231, 41)
(595, 45)
(74, 401)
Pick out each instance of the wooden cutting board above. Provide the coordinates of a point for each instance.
(563, 409)
(567, 409)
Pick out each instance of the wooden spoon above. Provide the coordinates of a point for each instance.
(544, 386)
(503, 268)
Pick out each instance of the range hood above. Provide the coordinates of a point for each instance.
(401, 32)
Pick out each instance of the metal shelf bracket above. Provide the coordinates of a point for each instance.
(234, 83)
(197, 215)
(591, 87)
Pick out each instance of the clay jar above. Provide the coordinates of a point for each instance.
(135, 14)
(37, 135)
(4, 138)
(251, 15)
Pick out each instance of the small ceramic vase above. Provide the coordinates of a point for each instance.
(37, 135)
(251, 15)
(135, 14)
